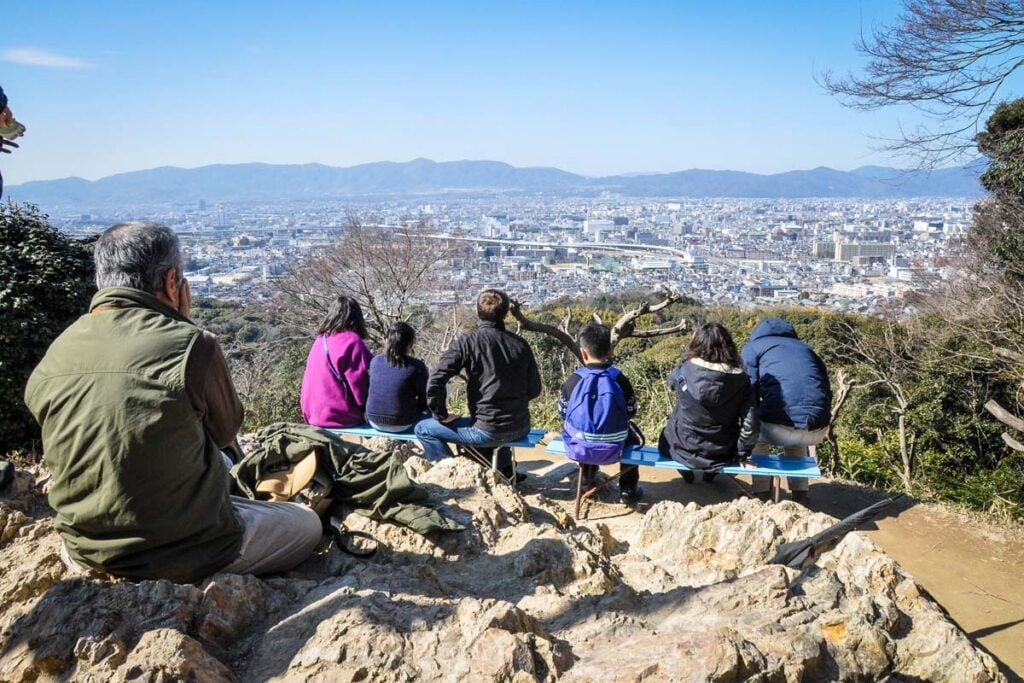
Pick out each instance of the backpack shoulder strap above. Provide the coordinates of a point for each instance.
(330, 366)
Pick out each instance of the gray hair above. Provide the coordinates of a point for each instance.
(138, 254)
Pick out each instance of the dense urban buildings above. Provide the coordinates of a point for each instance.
(843, 254)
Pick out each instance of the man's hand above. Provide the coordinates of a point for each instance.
(6, 117)
(8, 143)
(185, 300)
(452, 417)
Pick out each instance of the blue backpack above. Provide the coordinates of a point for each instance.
(596, 425)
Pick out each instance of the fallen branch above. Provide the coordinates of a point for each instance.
(1008, 355)
(1013, 443)
(1004, 416)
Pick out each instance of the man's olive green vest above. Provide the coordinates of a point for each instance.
(140, 490)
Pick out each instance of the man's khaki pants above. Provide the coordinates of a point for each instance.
(277, 537)
(795, 444)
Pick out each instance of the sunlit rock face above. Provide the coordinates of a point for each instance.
(524, 594)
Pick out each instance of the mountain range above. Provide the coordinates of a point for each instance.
(271, 182)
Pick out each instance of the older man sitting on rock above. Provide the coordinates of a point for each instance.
(136, 404)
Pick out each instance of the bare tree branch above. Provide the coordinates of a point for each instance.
(679, 327)
(948, 59)
(516, 309)
(626, 325)
(844, 384)
(623, 329)
(388, 271)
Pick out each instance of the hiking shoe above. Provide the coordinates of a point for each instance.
(687, 476)
(709, 475)
(631, 496)
(763, 496)
(801, 497)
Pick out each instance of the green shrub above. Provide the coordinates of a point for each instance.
(46, 281)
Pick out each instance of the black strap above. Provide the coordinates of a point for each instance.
(342, 535)
(636, 437)
(338, 377)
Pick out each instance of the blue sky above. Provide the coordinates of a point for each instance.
(591, 87)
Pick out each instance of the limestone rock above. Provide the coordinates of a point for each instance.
(165, 654)
(11, 520)
(521, 595)
(230, 604)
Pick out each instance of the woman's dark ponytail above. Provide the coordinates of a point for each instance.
(400, 338)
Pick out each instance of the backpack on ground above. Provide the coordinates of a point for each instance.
(596, 425)
(314, 467)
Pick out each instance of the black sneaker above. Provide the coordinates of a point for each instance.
(709, 475)
(687, 476)
(631, 496)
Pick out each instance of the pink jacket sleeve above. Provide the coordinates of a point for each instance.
(357, 371)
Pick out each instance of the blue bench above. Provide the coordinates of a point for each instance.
(368, 432)
(648, 456)
(365, 431)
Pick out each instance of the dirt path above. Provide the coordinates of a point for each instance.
(974, 570)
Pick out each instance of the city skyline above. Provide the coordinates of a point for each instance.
(596, 89)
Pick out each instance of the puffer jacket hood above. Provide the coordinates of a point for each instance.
(712, 384)
(789, 379)
(714, 419)
(773, 327)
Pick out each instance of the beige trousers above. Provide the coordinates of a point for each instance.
(796, 443)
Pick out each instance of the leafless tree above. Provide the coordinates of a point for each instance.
(886, 360)
(624, 327)
(949, 59)
(843, 385)
(388, 271)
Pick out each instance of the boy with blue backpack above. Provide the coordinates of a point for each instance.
(597, 403)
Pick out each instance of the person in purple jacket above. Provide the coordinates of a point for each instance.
(336, 381)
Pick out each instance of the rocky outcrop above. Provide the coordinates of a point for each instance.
(523, 594)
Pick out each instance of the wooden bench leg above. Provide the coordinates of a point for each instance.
(582, 497)
(776, 489)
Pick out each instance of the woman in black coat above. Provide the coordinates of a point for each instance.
(714, 421)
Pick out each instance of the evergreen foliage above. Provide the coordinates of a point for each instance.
(46, 281)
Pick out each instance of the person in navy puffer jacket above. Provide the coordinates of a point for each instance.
(794, 395)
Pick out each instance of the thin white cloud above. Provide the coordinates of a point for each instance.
(34, 57)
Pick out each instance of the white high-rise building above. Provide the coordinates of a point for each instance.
(597, 230)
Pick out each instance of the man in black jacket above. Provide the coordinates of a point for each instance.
(501, 379)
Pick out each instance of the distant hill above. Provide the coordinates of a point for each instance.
(255, 182)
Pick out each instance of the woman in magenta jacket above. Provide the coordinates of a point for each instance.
(336, 380)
